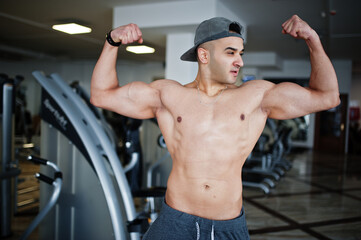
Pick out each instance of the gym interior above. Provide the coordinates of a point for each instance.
(99, 175)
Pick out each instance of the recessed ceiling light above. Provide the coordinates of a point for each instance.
(72, 28)
(142, 49)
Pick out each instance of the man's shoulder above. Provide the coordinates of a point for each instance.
(161, 83)
(258, 82)
(261, 85)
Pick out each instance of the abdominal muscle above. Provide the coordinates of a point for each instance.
(206, 188)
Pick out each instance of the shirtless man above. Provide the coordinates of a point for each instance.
(210, 125)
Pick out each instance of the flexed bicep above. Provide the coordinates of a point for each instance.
(288, 100)
(137, 100)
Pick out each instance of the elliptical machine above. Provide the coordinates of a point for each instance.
(56, 182)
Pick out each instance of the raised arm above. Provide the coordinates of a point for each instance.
(288, 100)
(137, 99)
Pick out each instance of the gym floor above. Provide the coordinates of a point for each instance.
(319, 198)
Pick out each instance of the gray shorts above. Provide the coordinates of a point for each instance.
(172, 224)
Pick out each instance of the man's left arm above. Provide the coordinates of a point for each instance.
(288, 100)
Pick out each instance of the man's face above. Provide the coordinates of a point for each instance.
(226, 59)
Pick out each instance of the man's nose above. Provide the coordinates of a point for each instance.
(239, 62)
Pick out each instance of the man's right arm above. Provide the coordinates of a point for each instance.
(137, 99)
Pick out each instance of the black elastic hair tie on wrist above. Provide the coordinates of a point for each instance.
(111, 41)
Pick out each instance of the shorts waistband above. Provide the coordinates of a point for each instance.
(204, 223)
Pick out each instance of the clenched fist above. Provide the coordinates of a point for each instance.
(127, 34)
(298, 28)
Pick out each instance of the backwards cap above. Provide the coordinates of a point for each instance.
(212, 29)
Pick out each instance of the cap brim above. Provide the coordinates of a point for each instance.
(190, 55)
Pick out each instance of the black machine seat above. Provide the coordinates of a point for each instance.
(150, 192)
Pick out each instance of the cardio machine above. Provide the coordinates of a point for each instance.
(8, 167)
(56, 182)
(95, 177)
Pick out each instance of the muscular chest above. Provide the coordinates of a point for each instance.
(236, 111)
(232, 124)
(220, 117)
(224, 117)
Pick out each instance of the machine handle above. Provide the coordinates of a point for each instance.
(44, 178)
(37, 160)
(58, 175)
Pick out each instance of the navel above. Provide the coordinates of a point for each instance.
(242, 117)
(179, 119)
(207, 187)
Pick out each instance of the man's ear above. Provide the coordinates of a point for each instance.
(203, 55)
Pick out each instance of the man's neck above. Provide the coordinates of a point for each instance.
(209, 86)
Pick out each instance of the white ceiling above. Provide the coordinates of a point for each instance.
(26, 28)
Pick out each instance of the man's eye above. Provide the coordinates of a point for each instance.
(241, 54)
(231, 53)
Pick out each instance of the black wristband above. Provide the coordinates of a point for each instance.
(111, 41)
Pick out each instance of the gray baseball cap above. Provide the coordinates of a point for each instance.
(212, 29)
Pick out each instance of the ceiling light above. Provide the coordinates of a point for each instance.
(72, 28)
(142, 49)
